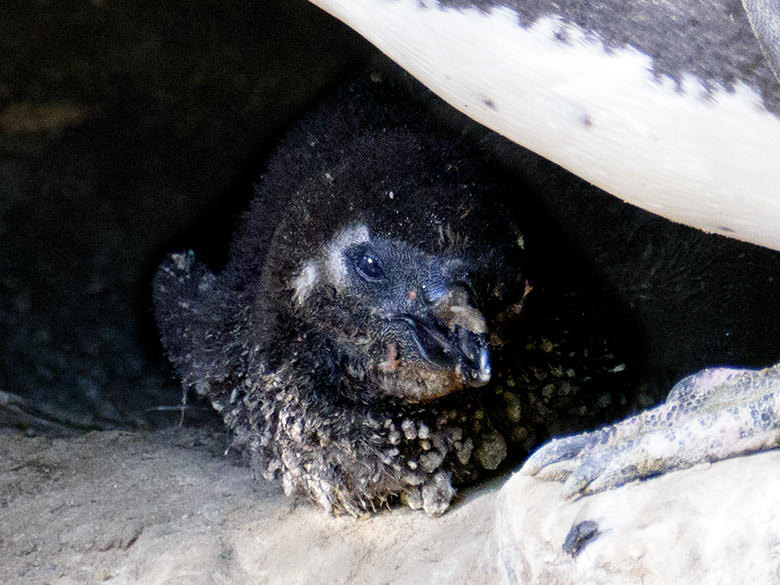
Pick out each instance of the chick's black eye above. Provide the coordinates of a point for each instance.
(368, 267)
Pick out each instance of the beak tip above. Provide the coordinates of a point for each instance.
(481, 376)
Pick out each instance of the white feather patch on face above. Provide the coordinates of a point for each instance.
(304, 283)
(335, 262)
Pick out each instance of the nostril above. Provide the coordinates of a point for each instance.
(441, 292)
(433, 292)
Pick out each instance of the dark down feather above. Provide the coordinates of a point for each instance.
(375, 336)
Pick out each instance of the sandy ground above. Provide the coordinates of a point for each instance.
(168, 507)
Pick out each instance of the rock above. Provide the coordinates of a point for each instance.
(713, 523)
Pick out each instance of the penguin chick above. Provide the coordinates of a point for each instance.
(368, 340)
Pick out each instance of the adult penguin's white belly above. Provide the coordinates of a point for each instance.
(672, 106)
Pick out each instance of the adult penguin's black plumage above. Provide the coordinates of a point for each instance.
(373, 338)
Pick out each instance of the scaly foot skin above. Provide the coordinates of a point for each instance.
(711, 415)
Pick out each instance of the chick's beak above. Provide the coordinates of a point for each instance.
(475, 357)
(453, 334)
(468, 334)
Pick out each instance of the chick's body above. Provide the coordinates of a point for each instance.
(369, 340)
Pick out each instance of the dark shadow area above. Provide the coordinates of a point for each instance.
(130, 129)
